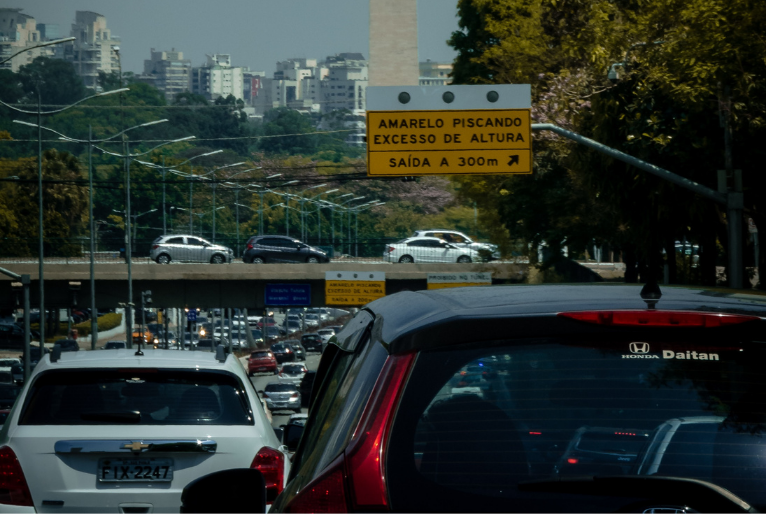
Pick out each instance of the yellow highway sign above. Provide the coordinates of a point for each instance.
(449, 142)
(354, 288)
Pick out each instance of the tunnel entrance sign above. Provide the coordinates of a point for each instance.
(449, 130)
(354, 288)
(287, 295)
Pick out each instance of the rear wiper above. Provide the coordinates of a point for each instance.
(131, 416)
(697, 494)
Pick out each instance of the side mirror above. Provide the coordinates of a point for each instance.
(291, 436)
(230, 490)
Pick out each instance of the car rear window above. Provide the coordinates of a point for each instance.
(280, 388)
(260, 355)
(485, 419)
(136, 396)
(292, 369)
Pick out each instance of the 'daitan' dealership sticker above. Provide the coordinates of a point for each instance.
(641, 350)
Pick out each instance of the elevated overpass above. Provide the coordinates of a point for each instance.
(228, 285)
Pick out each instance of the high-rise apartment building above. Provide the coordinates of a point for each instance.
(435, 73)
(218, 78)
(169, 72)
(95, 48)
(339, 82)
(19, 31)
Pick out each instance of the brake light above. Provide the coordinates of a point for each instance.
(390, 249)
(327, 493)
(295, 395)
(355, 481)
(653, 318)
(572, 461)
(249, 246)
(271, 463)
(154, 247)
(13, 485)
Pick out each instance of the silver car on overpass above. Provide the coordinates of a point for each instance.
(168, 248)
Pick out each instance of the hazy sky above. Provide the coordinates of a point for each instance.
(257, 33)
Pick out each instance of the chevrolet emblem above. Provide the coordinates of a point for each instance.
(136, 446)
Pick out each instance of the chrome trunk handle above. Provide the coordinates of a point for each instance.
(136, 446)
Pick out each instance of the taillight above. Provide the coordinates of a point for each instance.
(271, 463)
(295, 395)
(658, 318)
(390, 249)
(13, 485)
(356, 480)
(154, 247)
(326, 493)
(249, 246)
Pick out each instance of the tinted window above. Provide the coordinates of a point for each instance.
(292, 369)
(174, 241)
(152, 397)
(259, 355)
(337, 409)
(477, 421)
(194, 241)
(280, 388)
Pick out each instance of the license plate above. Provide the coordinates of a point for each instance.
(135, 470)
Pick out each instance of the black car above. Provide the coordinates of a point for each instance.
(8, 395)
(394, 426)
(11, 336)
(300, 353)
(67, 345)
(307, 382)
(283, 352)
(312, 342)
(262, 249)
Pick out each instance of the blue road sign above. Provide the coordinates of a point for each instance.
(288, 295)
(191, 315)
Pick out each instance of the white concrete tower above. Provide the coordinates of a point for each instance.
(393, 43)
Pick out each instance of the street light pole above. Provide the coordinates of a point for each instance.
(164, 213)
(93, 310)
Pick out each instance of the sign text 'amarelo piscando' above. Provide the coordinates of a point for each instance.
(449, 142)
(354, 288)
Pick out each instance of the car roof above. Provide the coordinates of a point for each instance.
(439, 230)
(427, 238)
(405, 313)
(127, 358)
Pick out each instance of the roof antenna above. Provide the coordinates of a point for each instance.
(651, 294)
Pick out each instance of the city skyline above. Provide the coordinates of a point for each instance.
(327, 27)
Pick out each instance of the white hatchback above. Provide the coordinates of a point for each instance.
(121, 432)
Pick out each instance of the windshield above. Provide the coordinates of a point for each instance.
(140, 397)
(557, 408)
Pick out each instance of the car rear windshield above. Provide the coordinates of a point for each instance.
(292, 369)
(486, 419)
(280, 388)
(260, 355)
(136, 396)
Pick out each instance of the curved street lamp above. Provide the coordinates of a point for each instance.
(39, 113)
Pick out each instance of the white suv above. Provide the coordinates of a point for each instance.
(460, 240)
(122, 432)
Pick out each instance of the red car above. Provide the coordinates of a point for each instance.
(262, 360)
(270, 322)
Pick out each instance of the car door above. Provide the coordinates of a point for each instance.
(196, 249)
(175, 247)
(268, 248)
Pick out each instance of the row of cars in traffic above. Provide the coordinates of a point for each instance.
(424, 246)
(537, 399)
